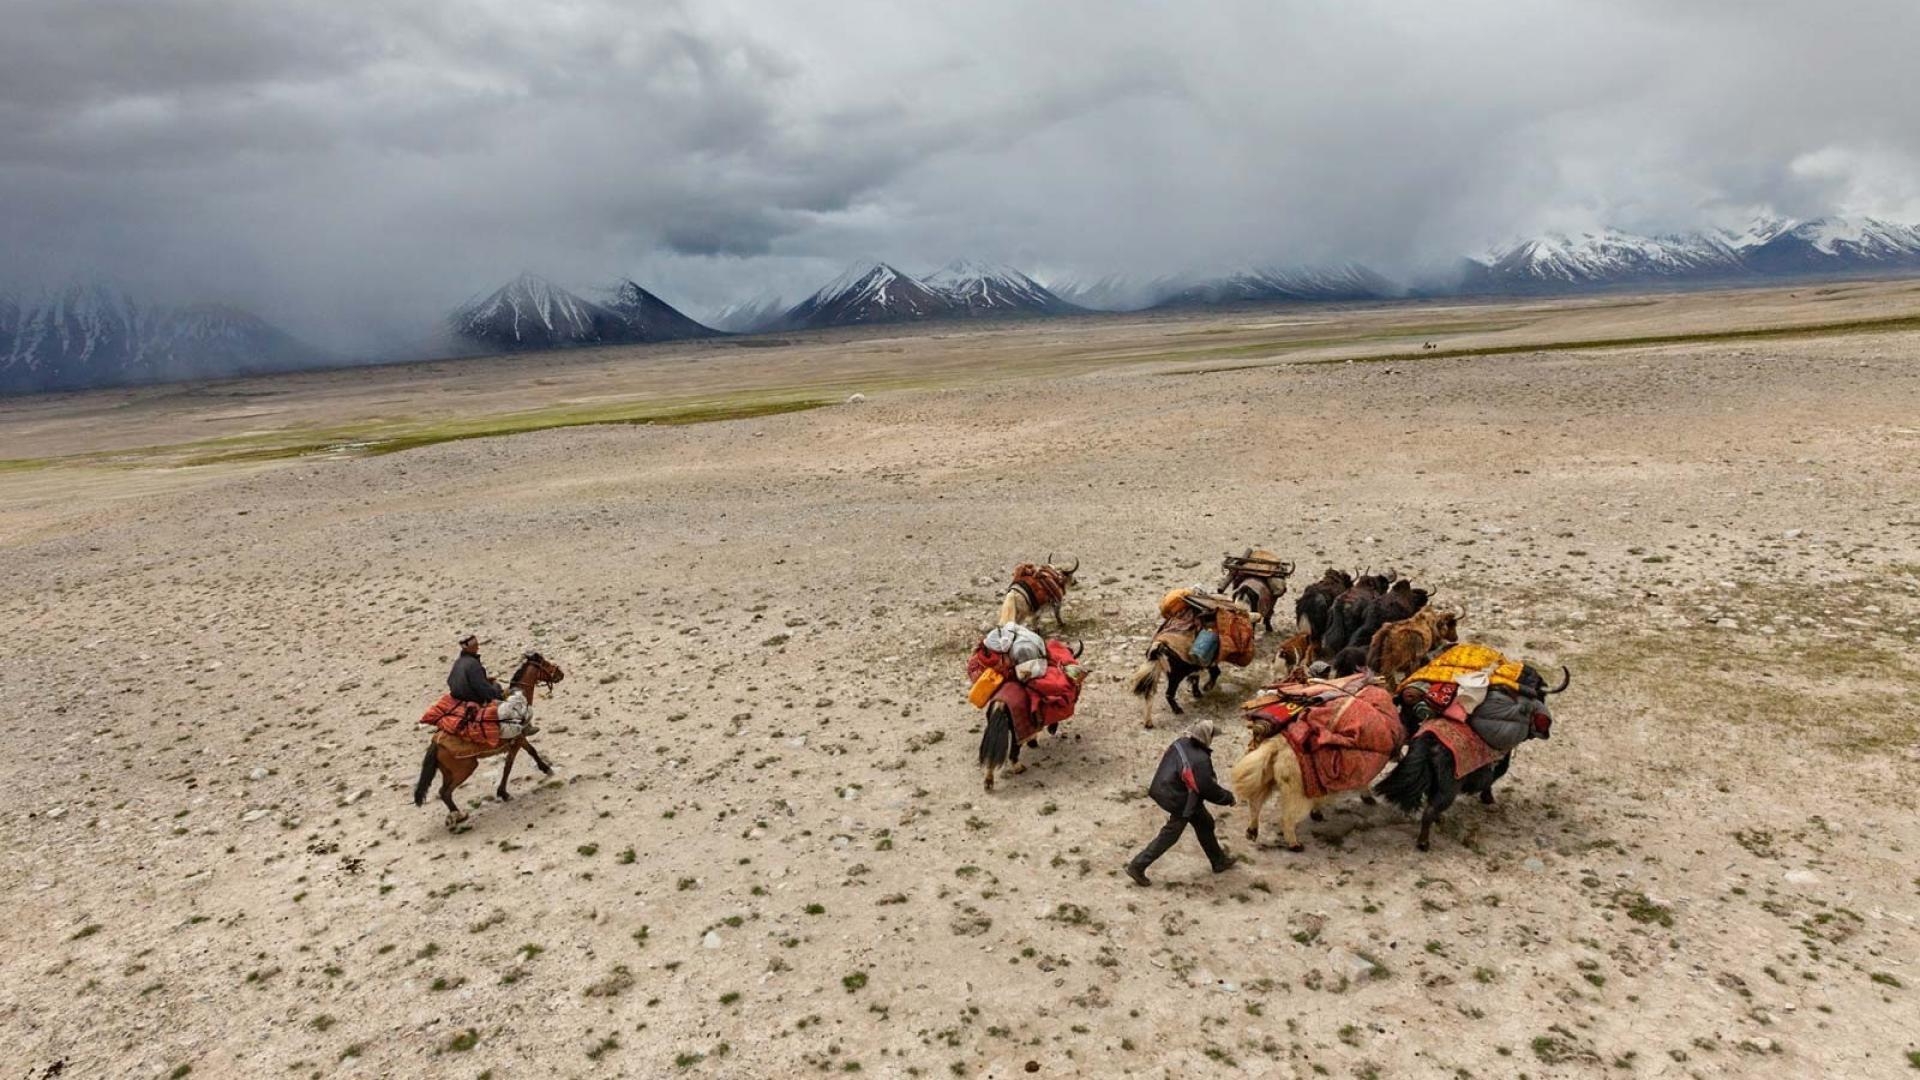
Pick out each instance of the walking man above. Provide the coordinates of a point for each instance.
(1182, 786)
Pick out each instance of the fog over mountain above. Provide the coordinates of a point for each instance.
(350, 171)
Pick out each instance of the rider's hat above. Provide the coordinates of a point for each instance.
(471, 639)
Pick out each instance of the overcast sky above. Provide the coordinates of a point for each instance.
(352, 168)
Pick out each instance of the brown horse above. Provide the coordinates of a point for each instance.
(454, 768)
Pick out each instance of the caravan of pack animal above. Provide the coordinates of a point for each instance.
(1375, 691)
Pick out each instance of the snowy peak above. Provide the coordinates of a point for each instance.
(650, 318)
(531, 313)
(866, 295)
(995, 289)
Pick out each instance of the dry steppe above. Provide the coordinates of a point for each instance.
(766, 852)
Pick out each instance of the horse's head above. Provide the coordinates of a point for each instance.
(536, 669)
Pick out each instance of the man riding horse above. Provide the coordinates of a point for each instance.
(468, 681)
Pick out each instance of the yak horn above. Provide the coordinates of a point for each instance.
(1566, 680)
(1462, 616)
(1075, 568)
(1049, 558)
(1079, 647)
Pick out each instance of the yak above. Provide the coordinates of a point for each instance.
(1425, 775)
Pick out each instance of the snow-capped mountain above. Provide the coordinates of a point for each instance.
(650, 318)
(749, 316)
(876, 294)
(531, 313)
(1830, 244)
(91, 335)
(992, 289)
(1769, 246)
(1604, 256)
(1268, 285)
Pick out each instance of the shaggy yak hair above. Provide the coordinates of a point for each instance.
(1399, 648)
(1270, 767)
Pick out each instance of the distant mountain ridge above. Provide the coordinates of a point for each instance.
(89, 334)
(86, 334)
(1768, 247)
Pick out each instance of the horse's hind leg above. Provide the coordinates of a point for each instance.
(1058, 622)
(506, 770)
(455, 815)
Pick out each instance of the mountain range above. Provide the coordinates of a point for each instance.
(88, 335)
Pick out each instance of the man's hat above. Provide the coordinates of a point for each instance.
(471, 639)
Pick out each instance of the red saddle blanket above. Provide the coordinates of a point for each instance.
(1470, 751)
(470, 720)
(1040, 701)
(1044, 584)
(1341, 744)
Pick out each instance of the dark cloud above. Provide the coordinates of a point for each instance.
(354, 167)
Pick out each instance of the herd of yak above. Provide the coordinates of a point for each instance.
(1372, 677)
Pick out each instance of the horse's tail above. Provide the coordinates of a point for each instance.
(1253, 773)
(1412, 781)
(997, 741)
(428, 766)
(1010, 607)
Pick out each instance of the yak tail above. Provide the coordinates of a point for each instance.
(1010, 607)
(997, 742)
(1146, 677)
(1410, 782)
(1302, 623)
(1253, 773)
(428, 766)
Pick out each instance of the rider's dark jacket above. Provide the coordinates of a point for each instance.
(468, 681)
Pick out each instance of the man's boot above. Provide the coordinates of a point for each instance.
(1138, 873)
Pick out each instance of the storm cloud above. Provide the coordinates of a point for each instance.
(353, 168)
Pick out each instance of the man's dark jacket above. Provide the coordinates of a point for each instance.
(469, 681)
(1171, 792)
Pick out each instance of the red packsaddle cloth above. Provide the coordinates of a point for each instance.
(1470, 751)
(1040, 701)
(1043, 583)
(470, 720)
(1342, 744)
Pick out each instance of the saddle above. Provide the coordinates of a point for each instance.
(471, 721)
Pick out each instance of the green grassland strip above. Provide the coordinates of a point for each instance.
(350, 441)
(1891, 325)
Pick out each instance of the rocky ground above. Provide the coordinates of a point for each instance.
(766, 850)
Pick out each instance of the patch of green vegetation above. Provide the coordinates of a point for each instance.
(376, 442)
(1891, 325)
(1643, 910)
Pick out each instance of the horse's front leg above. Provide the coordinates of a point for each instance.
(538, 761)
(506, 770)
